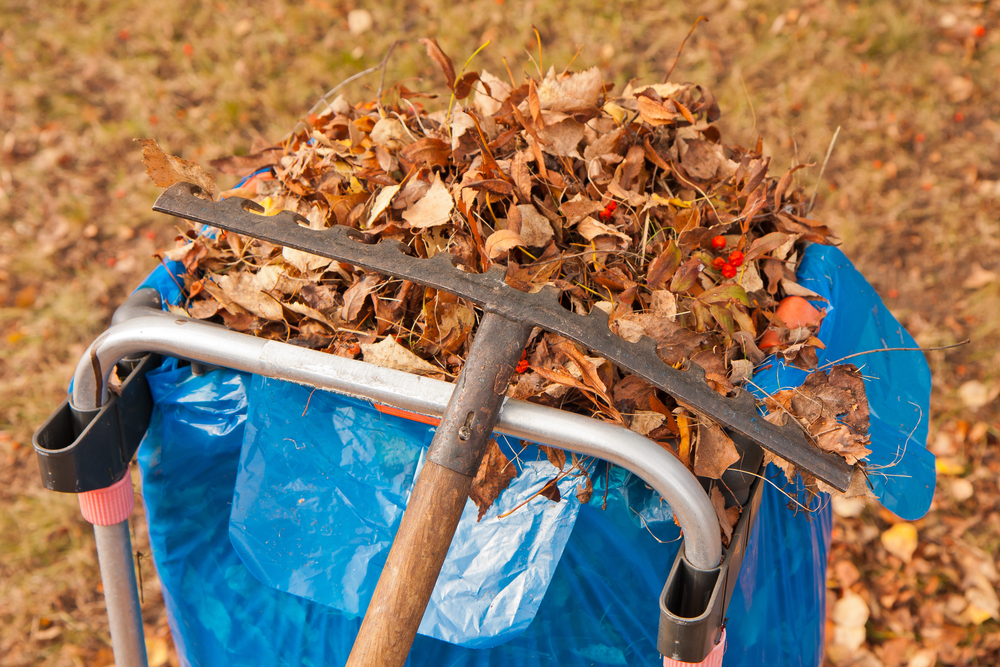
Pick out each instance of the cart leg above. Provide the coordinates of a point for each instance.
(439, 496)
(108, 509)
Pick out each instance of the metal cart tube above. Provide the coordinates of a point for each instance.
(142, 329)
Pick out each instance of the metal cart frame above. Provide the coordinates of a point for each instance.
(86, 446)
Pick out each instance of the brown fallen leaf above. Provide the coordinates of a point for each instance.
(243, 289)
(727, 517)
(585, 491)
(390, 354)
(354, 297)
(570, 93)
(556, 457)
(494, 475)
(502, 241)
(165, 170)
(442, 60)
(535, 229)
(551, 490)
(434, 208)
(714, 453)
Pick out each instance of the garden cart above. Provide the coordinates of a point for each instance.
(272, 506)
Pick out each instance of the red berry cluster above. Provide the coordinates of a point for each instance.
(608, 211)
(726, 266)
(522, 365)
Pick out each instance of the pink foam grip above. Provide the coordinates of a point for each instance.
(106, 507)
(713, 659)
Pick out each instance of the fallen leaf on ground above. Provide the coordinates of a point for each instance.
(901, 541)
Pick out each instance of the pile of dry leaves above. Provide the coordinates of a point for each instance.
(625, 202)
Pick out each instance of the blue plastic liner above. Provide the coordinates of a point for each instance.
(322, 485)
(599, 606)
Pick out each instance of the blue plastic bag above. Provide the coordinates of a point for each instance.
(323, 481)
(600, 606)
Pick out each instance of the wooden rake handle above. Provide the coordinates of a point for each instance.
(439, 496)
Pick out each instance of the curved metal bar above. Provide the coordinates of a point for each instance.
(194, 340)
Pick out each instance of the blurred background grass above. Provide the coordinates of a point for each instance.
(912, 187)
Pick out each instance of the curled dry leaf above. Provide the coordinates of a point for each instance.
(390, 354)
(714, 453)
(502, 241)
(434, 208)
(570, 93)
(728, 517)
(165, 170)
(494, 475)
(535, 229)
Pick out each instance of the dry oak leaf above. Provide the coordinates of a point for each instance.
(644, 421)
(390, 134)
(502, 241)
(591, 229)
(434, 208)
(569, 93)
(561, 138)
(390, 354)
(715, 452)
(494, 475)
(165, 170)
(490, 93)
(535, 229)
(244, 290)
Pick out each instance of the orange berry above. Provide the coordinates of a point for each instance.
(979, 31)
(959, 116)
(728, 270)
(920, 138)
(188, 50)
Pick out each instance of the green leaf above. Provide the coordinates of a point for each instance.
(724, 294)
(686, 275)
(724, 318)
